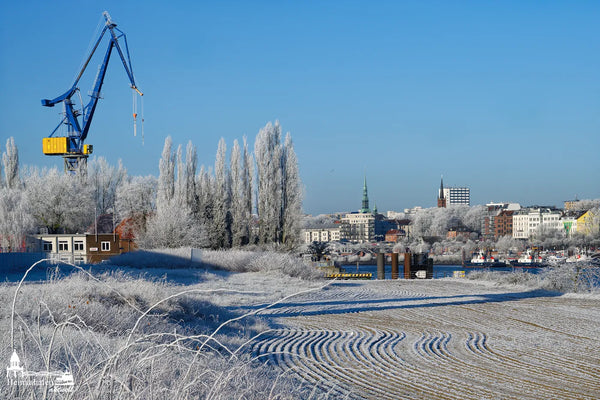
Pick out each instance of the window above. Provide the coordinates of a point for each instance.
(78, 245)
(105, 246)
(63, 246)
(46, 246)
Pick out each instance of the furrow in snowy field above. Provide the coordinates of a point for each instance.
(459, 341)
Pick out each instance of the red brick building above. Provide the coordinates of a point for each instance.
(503, 225)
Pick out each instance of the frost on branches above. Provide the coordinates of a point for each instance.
(183, 207)
(279, 190)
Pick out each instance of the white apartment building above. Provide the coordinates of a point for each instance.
(457, 195)
(527, 221)
(322, 234)
(358, 227)
(65, 247)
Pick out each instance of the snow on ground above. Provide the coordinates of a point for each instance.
(430, 339)
(446, 339)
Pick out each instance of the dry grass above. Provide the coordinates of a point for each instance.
(133, 338)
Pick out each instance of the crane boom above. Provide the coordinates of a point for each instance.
(71, 147)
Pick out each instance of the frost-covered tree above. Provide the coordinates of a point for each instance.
(166, 177)
(104, 180)
(220, 231)
(279, 197)
(191, 163)
(180, 192)
(268, 156)
(205, 194)
(473, 218)
(16, 220)
(173, 226)
(247, 192)
(60, 202)
(10, 159)
(136, 196)
(292, 196)
(238, 229)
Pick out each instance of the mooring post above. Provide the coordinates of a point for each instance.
(394, 265)
(380, 266)
(407, 257)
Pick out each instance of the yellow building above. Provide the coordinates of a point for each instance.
(589, 223)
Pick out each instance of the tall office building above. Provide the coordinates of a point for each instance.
(448, 196)
(457, 195)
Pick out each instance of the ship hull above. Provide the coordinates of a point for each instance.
(487, 264)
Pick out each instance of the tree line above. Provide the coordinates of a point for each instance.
(245, 198)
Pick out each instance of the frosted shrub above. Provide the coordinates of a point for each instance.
(229, 260)
(572, 278)
(564, 278)
(284, 264)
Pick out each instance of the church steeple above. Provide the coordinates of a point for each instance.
(365, 199)
(441, 200)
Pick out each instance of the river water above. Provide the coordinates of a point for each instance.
(439, 271)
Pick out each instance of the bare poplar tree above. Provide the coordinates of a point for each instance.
(268, 152)
(166, 177)
(220, 234)
(292, 196)
(237, 206)
(180, 190)
(247, 192)
(10, 159)
(204, 192)
(173, 224)
(191, 162)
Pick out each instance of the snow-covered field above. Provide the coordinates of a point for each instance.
(446, 339)
(268, 333)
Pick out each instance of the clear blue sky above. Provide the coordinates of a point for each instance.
(503, 97)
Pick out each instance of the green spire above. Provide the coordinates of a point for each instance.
(365, 199)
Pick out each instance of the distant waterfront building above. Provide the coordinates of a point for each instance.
(589, 222)
(503, 223)
(571, 204)
(457, 195)
(329, 233)
(448, 196)
(492, 228)
(365, 225)
(442, 198)
(358, 227)
(528, 221)
(404, 214)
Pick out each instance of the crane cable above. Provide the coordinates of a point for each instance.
(142, 100)
(135, 115)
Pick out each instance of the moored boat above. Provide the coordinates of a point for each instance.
(529, 260)
(480, 260)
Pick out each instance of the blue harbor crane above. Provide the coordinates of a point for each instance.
(71, 146)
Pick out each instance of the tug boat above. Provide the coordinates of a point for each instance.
(479, 260)
(529, 260)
